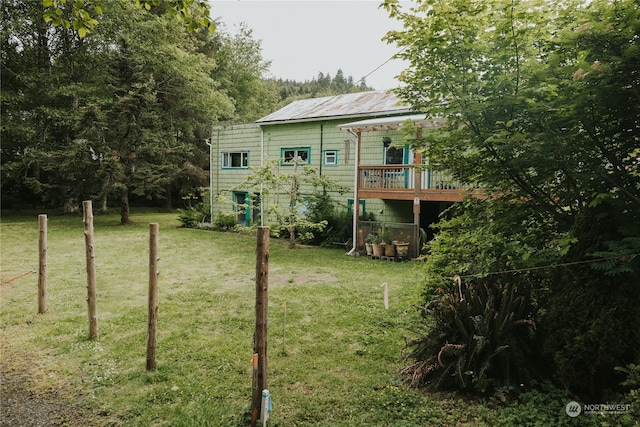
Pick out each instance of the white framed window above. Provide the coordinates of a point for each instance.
(330, 157)
(235, 159)
(361, 206)
(289, 156)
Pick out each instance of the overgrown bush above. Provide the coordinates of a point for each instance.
(587, 318)
(305, 230)
(322, 224)
(481, 329)
(196, 211)
(590, 326)
(191, 217)
(338, 228)
(591, 322)
(632, 398)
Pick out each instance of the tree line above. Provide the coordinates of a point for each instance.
(321, 85)
(121, 111)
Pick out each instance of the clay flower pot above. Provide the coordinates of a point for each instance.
(390, 250)
(378, 249)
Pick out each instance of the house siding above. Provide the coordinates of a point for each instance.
(319, 137)
(232, 138)
(312, 124)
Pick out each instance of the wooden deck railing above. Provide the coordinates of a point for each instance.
(402, 177)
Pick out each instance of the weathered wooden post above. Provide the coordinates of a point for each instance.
(385, 291)
(260, 334)
(91, 268)
(284, 328)
(153, 296)
(42, 264)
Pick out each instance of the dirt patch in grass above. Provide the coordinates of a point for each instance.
(301, 279)
(22, 405)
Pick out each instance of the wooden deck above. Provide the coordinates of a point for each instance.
(398, 182)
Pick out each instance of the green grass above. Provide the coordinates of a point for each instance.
(334, 362)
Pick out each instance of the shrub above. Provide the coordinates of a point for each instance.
(632, 398)
(591, 318)
(192, 216)
(225, 221)
(541, 405)
(196, 212)
(322, 209)
(483, 336)
(590, 326)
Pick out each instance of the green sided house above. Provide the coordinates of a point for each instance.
(356, 140)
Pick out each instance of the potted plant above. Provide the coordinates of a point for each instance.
(402, 246)
(368, 243)
(390, 247)
(378, 245)
(402, 249)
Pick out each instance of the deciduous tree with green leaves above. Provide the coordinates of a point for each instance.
(241, 73)
(282, 196)
(542, 106)
(84, 15)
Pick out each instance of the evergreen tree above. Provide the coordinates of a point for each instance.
(118, 112)
(322, 85)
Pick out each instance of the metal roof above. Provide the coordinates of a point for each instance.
(350, 105)
(391, 123)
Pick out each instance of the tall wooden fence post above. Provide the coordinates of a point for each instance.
(91, 268)
(153, 296)
(260, 334)
(42, 264)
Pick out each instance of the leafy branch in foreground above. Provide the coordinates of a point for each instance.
(84, 15)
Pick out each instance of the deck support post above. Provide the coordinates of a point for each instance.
(416, 199)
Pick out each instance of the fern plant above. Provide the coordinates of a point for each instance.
(482, 332)
(621, 257)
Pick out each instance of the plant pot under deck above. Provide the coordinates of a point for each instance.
(402, 249)
(378, 249)
(390, 250)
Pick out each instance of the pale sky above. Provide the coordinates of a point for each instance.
(304, 37)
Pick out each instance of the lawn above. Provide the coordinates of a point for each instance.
(333, 362)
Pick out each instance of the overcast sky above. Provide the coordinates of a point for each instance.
(304, 37)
